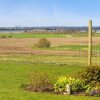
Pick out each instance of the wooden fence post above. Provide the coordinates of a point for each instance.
(90, 44)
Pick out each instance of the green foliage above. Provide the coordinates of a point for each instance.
(79, 86)
(91, 75)
(39, 82)
(10, 36)
(3, 36)
(62, 82)
(93, 90)
(43, 43)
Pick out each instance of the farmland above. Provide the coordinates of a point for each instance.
(48, 35)
(18, 57)
(49, 50)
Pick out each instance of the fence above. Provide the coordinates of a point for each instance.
(70, 48)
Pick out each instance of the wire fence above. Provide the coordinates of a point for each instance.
(72, 49)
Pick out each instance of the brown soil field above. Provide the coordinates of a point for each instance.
(19, 50)
(23, 45)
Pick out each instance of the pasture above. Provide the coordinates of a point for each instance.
(46, 35)
(14, 71)
(18, 57)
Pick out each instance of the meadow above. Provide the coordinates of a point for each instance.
(48, 35)
(18, 58)
(13, 73)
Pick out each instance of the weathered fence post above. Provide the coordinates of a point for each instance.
(90, 44)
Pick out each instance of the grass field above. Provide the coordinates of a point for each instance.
(30, 35)
(13, 73)
(71, 47)
(65, 47)
(18, 57)
(46, 59)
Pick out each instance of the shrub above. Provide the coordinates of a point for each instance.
(62, 82)
(3, 36)
(10, 36)
(39, 82)
(91, 75)
(79, 86)
(42, 43)
(93, 91)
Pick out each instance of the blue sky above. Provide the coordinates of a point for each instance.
(49, 12)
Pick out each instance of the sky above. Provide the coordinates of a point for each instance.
(49, 12)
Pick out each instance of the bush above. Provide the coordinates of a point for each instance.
(78, 86)
(39, 82)
(3, 36)
(62, 82)
(42, 43)
(93, 90)
(91, 75)
(10, 36)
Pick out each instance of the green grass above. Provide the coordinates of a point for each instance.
(46, 59)
(71, 47)
(14, 69)
(51, 59)
(30, 35)
(14, 74)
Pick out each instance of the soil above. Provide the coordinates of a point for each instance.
(24, 45)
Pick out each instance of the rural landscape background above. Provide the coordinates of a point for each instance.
(65, 28)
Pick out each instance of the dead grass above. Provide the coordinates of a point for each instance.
(23, 45)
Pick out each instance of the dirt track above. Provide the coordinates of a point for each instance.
(23, 45)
